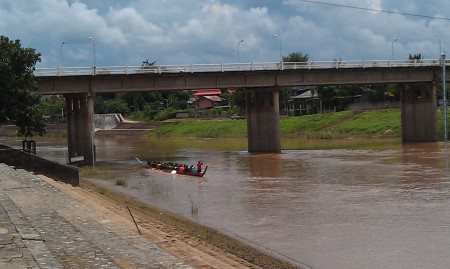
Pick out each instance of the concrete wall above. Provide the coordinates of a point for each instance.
(80, 127)
(107, 121)
(370, 105)
(38, 165)
(263, 120)
(418, 113)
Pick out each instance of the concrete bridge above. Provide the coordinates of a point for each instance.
(417, 81)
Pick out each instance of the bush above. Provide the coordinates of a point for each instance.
(116, 106)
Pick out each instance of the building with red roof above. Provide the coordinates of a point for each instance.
(207, 98)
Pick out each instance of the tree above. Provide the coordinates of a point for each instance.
(116, 106)
(296, 57)
(17, 102)
(238, 100)
(417, 57)
(285, 93)
(54, 107)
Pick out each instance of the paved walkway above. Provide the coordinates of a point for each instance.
(41, 227)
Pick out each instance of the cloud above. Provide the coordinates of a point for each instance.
(355, 34)
(208, 31)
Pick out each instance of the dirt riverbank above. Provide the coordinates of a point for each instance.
(199, 246)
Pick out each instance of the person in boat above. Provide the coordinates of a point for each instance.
(181, 169)
(199, 166)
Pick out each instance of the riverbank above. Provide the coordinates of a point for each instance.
(385, 123)
(50, 224)
(44, 227)
(188, 240)
(337, 125)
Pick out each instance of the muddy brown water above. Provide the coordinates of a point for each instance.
(323, 204)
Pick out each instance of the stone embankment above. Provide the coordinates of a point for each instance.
(42, 227)
(50, 224)
(129, 128)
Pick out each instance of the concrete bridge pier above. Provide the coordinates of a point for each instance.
(80, 127)
(263, 120)
(418, 112)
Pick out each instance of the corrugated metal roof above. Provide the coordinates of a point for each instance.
(213, 98)
(306, 95)
(207, 92)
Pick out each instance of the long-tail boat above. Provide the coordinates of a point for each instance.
(173, 168)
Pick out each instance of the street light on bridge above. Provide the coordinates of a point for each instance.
(61, 58)
(392, 48)
(93, 43)
(440, 47)
(279, 39)
(444, 95)
(239, 43)
(95, 60)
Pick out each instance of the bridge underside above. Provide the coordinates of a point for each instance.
(418, 119)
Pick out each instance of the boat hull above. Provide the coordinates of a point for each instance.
(175, 171)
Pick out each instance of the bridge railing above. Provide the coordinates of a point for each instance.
(230, 67)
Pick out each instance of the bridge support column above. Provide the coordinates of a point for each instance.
(263, 120)
(80, 127)
(418, 113)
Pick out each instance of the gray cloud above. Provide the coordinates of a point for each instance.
(173, 31)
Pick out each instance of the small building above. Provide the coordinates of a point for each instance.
(304, 103)
(207, 98)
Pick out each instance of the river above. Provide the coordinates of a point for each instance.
(322, 204)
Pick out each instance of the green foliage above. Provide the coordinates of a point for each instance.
(165, 114)
(53, 107)
(139, 116)
(17, 103)
(116, 106)
(296, 57)
(204, 128)
(417, 57)
(238, 101)
(310, 123)
(375, 122)
(384, 123)
(30, 116)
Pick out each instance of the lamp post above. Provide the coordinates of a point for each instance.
(392, 48)
(93, 43)
(440, 47)
(239, 43)
(61, 58)
(92, 120)
(279, 39)
(444, 95)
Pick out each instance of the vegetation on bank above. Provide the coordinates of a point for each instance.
(384, 122)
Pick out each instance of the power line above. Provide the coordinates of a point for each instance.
(377, 10)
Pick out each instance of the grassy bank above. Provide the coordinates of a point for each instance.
(385, 123)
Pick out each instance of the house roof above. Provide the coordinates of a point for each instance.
(213, 98)
(306, 95)
(207, 92)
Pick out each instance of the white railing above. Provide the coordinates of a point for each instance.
(229, 67)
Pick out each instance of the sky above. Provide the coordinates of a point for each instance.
(82, 33)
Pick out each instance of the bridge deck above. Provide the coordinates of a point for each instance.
(202, 68)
